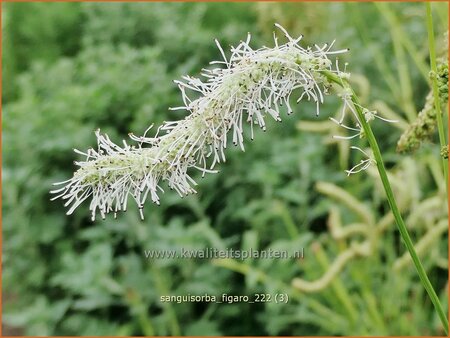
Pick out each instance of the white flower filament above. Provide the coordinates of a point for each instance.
(252, 85)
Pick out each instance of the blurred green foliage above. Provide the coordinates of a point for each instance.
(69, 68)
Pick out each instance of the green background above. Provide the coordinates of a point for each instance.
(70, 68)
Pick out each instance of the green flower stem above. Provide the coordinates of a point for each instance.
(437, 104)
(140, 310)
(402, 64)
(316, 307)
(391, 200)
(336, 285)
(400, 35)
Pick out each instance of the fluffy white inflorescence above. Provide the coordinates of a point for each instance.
(249, 86)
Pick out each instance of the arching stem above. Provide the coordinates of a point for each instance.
(391, 200)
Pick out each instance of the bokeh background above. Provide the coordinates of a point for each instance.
(69, 68)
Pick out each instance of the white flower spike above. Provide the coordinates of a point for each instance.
(250, 86)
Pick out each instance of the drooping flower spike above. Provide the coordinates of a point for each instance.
(248, 87)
